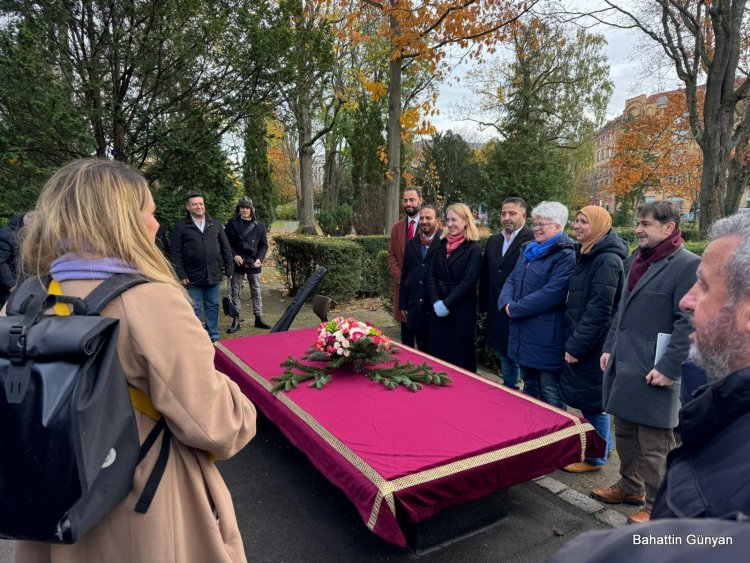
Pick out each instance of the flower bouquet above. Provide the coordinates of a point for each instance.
(346, 343)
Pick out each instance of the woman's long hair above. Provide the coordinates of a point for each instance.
(93, 208)
(463, 211)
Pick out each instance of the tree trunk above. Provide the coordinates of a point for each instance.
(716, 145)
(392, 188)
(306, 215)
(739, 169)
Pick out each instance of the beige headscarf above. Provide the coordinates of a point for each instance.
(601, 223)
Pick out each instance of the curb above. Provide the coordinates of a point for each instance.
(582, 502)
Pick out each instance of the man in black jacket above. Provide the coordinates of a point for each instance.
(500, 258)
(8, 253)
(414, 302)
(199, 249)
(247, 237)
(708, 476)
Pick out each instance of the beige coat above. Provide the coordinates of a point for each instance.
(165, 352)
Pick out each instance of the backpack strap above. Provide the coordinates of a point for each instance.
(109, 289)
(94, 303)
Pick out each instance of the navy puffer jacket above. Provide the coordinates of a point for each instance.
(536, 293)
(593, 296)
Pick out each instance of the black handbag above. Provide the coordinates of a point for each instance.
(230, 309)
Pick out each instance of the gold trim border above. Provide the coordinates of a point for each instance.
(387, 489)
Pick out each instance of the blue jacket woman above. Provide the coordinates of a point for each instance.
(534, 298)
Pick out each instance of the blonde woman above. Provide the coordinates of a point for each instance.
(452, 289)
(96, 218)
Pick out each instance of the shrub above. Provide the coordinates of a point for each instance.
(287, 211)
(337, 221)
(299, 256)
(697, 246)
(372, 283)
(628, 235)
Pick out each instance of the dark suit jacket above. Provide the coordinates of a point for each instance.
(415, 273)
(495, 270)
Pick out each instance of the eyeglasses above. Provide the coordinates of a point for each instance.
(540, 226)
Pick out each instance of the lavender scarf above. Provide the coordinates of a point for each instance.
(73, 267)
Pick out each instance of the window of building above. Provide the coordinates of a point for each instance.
(661, 101)
(649, 198)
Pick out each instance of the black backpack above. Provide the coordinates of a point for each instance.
(68, 439)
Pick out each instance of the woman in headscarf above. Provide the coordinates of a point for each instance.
(452, 289)
(593, 295)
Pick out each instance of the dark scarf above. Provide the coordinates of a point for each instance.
(646, 257)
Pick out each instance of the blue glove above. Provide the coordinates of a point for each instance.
(440, 309)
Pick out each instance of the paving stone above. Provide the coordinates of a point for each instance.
(612, 517)
(551, 484)
(580, 500)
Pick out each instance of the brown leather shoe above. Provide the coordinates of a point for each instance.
(581, 467)
(643, 515)
(615, 495)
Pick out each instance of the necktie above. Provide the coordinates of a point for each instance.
(412, 227)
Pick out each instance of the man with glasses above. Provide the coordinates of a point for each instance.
(648, 341)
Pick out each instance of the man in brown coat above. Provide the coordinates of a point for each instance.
(402, 231)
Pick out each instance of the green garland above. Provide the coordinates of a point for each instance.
(410, 376)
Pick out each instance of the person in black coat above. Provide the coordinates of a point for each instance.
(247, 237)
(452, 289)
(8, 253)
(199, 249)
(414, 302)
(593, 294)
(500, 257)
(708, 475)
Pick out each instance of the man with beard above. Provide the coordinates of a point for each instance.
(414, 302)
(403, 231)
(709, 474)
(641, 388)
(500, 258)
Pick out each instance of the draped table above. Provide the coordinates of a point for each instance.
(401, 456)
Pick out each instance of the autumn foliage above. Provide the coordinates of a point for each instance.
(656, 151)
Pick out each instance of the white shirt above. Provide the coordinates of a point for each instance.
(201, 225)
(507, 242)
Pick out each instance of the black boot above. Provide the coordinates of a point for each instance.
(260, 323)
(235, 325)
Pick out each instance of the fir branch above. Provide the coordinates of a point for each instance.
(290, 380)
(408, 375)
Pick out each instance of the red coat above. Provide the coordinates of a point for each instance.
(395, 261)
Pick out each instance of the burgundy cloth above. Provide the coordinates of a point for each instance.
(399, 433)
(454, 241)
(647, 257)
(412, 228)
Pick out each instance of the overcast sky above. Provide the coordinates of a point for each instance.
(624, 50)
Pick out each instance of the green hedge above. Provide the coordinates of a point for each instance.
(298, 256)
(372, 283)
